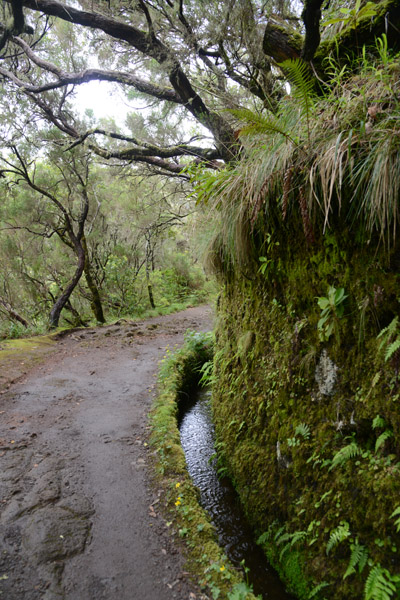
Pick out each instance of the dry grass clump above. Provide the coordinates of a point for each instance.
(327, 159)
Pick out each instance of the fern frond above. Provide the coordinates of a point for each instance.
(314, 592)
(338, 535)
(279, 534)
(389, 331)
(396, 513)
(260, 124)
(299, 75)
(378, 422)
(359, 557)
(344, 454)
(382, 439)
(392, 348)
(379, 585)
(292, 539)
(302, 429)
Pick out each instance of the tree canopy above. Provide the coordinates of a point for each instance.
(193, 59)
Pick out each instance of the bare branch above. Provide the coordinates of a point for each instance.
(85, 76)
(154, 48)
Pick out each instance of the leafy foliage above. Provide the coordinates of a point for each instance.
(396, 513)
(380, 584)
(358, 558)
(382, 439)
(338, 535)
(346, 453)
(390, 338)
(332, 309)
(299, 75)
(303, 429)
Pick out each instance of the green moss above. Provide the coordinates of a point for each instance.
(205, 558)
(286, 404)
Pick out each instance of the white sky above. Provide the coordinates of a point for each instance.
(104, 98)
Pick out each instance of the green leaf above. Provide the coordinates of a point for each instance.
(338, 535)
(345, 454)
(379, 585)
(396, 513)
(382, 439)
(358, 558)
(392, 348)
(339, 295)
(378, 422)
(323, 302)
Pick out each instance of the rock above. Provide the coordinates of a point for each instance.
(54, 533)
(326, 374)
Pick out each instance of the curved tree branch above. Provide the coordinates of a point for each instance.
(151, 46)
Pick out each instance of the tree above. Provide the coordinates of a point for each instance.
(198, 58)
(62, 209)
(191, 56)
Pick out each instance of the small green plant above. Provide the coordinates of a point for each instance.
(350, 17)
(396, 513)
(316, 590)
(267, 263)
(358, 558)
(380, 584)
(240, 591)
(290, 538)
(379, 422)
(302, 430)
(332, 309)
(338, 535)
(345, 454)
(206, 371)
(390, 338)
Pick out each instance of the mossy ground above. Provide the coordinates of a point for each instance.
(17, 357)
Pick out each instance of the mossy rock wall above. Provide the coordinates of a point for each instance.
(310, 427)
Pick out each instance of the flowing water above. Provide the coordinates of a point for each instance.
(219, 498)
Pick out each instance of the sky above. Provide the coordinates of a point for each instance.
(104, 98)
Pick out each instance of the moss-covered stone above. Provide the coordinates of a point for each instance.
(297, 412)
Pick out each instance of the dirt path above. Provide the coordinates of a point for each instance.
(78, 520)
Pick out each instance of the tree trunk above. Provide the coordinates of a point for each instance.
(95, 303)
(149, 286)
(63, 299)
(13, 313)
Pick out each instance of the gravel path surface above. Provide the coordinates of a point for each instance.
(79, 520)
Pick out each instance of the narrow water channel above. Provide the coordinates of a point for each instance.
(219, 498)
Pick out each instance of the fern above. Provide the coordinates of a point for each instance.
(392, 348)
(260, 124)
(338, 535)
(389, 331)
(382, 439)
(378, 422)
(396, 513)
(387, 334)
(292, 539)
(315, 591)
(344, 454)
(298, 73)
(358, 558)
(302, 429)
(380, 584)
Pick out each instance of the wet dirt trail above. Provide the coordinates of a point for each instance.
(79, 520)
